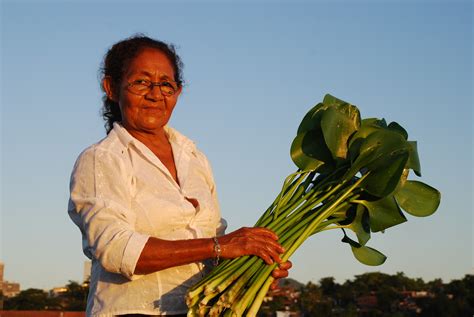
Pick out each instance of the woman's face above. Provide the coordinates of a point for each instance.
(149, 112)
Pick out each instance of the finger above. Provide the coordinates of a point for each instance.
(277, 273)
(268, 254)
(269, 243)
(265, 257)
(274, 285)
(273, 253)
(266, 232)
(285, 265)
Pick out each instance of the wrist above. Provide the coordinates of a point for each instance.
(216, 251)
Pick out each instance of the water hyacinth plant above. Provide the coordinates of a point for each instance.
(352, 175)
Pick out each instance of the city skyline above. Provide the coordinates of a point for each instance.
(252, 71)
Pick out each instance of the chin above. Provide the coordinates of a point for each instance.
(151, 126)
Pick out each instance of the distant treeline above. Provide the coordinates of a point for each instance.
(369, 294)
(377, 294)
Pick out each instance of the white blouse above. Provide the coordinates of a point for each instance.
(122, 194)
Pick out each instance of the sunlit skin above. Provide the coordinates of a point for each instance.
(144, 117)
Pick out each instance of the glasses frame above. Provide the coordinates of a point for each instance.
(152, 85)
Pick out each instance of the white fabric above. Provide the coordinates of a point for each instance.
(121, 194)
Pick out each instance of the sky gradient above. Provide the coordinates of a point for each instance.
(252, 70)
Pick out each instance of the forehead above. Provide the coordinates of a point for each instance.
(151, 61)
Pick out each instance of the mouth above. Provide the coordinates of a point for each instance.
(154, 109)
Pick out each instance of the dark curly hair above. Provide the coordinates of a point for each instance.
(116, 62)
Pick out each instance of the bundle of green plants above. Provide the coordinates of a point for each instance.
(352, 175)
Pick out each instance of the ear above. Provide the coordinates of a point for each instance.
(108, 88)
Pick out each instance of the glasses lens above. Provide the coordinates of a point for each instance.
(140, 87)
(168, 88)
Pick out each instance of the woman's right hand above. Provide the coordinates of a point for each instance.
(258, 241)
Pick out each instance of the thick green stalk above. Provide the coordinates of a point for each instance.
(238, 287)
(253, 310)
(322, 216)
(303, 184)
(207, 298)
(298, 205)
(308, 205)
(288, 184)
(299, 225)
(222, 276)
(292, 210)
(281, 205)
(192, 301)
(216, 310)
(242, 304)
(203, 310)
(217, 273)
(237, 273)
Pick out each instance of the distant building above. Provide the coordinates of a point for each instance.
(417, 294)
(10, 289)
(1, 274)
(55, 292)
(367, 303)
(290, 294)
(1, 285)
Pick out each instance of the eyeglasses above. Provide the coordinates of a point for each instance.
(142, 87)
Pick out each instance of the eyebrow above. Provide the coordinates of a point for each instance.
(144, 72)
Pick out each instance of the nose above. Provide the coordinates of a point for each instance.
(155, 93)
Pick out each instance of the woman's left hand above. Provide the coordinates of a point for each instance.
(279, 272)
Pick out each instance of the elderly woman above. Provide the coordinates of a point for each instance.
(144, 197)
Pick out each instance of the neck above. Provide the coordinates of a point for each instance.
(153, 139)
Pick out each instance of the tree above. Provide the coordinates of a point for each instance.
(310, 295)
(462, 292)
(313, 303)
(328, 286)
(387, 298)
(30, 299)
(75, 297)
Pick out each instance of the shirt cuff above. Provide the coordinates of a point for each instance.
(220, 231)
(132, 252)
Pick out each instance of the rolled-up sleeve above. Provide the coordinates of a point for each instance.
(100, 206)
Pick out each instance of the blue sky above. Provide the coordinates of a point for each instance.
(252, 70)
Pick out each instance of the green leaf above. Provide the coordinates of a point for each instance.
(413, 159)
(382, 123)
(338, 123)
(418, 198)
(312, 119)
(383, 179)
(367, 127)
(368, 121)
(383, 154)
(394, 126)
(384, 213)
(364, 254)
(368, 256)
(361, 225)
(374, 122)
(331, 100)
(309, 151)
